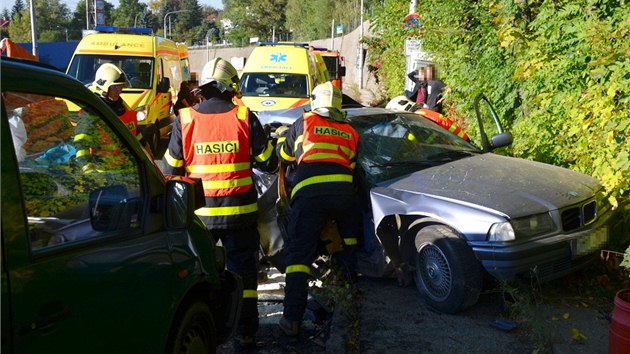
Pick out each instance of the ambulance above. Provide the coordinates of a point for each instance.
(152, 64)
(280, 75)
(334, 64)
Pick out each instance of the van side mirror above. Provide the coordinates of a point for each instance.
(183, 196)
(164, 85)
(342, 71)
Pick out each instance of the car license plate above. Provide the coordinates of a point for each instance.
(592, 242)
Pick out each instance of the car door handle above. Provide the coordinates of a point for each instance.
(51, 313)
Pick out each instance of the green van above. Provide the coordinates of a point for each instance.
(104, 259)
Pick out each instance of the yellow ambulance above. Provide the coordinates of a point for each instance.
(152, 64)
(280, 75)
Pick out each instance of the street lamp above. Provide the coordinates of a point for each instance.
(170, 13)
(66, 29)
(135, 20)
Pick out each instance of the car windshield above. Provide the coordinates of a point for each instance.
(274, 85)
(396, 144)
(138, 70)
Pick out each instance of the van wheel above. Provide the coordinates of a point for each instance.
(153, 139)
(448, 274)
(193, 331)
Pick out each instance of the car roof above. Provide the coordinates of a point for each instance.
(353, 112)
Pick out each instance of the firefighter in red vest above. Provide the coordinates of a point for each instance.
(96, 152)
(402, 103)
(220, 142)
(323, 147)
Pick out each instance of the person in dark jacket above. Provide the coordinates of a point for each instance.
(436, 91)
(323, 146)
(419, 92)
(220, 142)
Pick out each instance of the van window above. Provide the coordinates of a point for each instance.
(79, 182)
(274, 84)
(138, 70)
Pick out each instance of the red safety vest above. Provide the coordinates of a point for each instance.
(216, 149)
(443, 122)
(130, 119)
(328, 141)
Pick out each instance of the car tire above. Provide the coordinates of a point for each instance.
(447, 273)
(193, 331)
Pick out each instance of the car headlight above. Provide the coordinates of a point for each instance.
(501, 231)
(141, 114)
(528, 226)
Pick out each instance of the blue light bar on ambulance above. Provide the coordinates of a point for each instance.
(130, 30)
(296, 44)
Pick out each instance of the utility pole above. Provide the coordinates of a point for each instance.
(33, 28)
(361, 50)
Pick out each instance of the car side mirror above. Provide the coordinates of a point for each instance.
(183, 196)
(164, 85)
(501, 140)
(111, 209)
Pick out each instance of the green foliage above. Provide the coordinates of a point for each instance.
(556, 71)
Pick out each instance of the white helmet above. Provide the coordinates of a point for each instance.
(326, 100)
(222, 74)
(107, 75)
(402, 103)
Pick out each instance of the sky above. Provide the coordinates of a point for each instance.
(72, 4)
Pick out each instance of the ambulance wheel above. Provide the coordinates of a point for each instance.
(153, 139)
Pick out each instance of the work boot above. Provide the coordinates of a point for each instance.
(290, 328)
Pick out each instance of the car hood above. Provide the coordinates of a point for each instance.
(511, 186)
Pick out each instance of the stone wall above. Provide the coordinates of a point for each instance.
(348, 45)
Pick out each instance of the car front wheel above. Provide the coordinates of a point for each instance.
(193, 332)
(447, 273)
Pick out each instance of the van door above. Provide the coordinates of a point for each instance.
(84, 272)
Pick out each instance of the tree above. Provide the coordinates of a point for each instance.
(188, 22)
(17, 9)
(129, 13)
(51, 18)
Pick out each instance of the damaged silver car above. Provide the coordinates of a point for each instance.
(447, 212)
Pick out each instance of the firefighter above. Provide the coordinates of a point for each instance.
(220, 142)
(108, 84)
(323, 146)
(402, 103)
(95, 150)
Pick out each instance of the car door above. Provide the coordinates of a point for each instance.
(85, 257)
(489, 124)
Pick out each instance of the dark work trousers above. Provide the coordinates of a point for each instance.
(241, 246)
(306, 221)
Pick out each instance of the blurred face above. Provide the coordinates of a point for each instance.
(113, 93)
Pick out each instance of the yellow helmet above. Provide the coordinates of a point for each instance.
(402, 103)
(221, 74)
(107, 75)
(326, 100)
